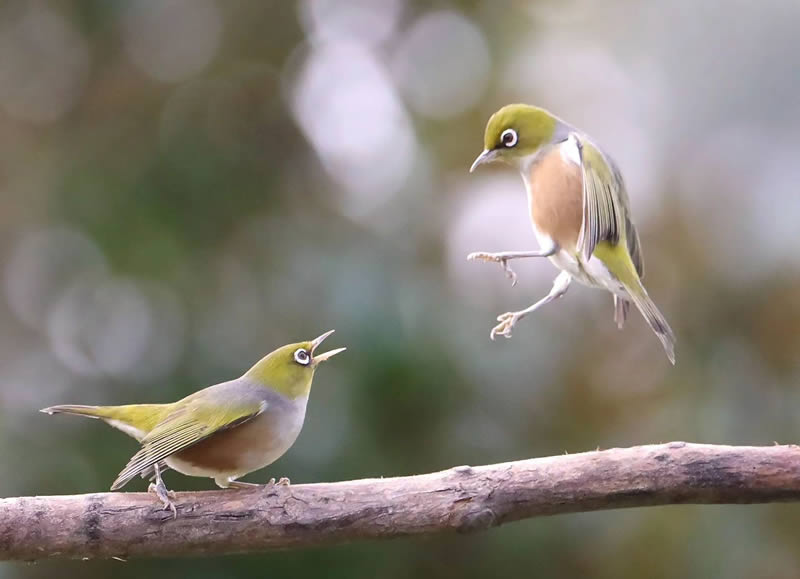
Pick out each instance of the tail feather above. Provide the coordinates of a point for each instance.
(79, 410)
(135, 420)
(656, 321)
(618, 262)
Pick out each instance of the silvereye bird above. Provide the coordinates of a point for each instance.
(224, 431)
(579, 210)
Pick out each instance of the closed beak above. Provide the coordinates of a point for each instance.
(487, 156)
(327, 355)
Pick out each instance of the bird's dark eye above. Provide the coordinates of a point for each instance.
(301, 357)
(509, 138)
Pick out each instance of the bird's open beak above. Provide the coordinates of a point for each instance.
(487, 156)
(327, 355)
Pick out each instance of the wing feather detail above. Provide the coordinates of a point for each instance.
(606, 213)
(181, 429)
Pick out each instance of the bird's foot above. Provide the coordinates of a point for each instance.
(283, 481)
(497, 258)
(507, 322)
(165, 495)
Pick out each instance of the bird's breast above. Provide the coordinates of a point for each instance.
(247, 447)
(555, 197)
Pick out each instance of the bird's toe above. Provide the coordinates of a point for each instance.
(166, 497)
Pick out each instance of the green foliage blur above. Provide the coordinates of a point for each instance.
(187, 184)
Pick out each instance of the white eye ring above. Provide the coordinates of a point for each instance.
(509, 138)
(301, 357)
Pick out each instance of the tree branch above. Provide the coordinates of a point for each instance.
(460, 499)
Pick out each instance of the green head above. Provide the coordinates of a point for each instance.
(290, 369)
(516, 132)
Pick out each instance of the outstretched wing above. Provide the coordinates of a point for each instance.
(204, 414)
(606, 209)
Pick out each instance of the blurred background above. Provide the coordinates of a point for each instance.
(187, 184)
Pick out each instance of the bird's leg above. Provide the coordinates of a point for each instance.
(152, 477)
(509, 319)
(161, 491)
(504, 257)
(621, 307)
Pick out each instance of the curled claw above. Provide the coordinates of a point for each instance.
(507, 322)
(165, 496)
(503, 261)
(283, 482)
(510, 273)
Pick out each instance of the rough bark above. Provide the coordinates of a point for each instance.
(461, 499)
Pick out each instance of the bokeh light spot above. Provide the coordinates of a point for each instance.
(42, 264)
(442, 65)
(345, 103)
(370, 21)
(172, 40)
(44, 63)
(112, 327)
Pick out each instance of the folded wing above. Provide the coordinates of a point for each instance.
(199, 418)
(606, 208)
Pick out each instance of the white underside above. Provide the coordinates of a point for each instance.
(592, 273)
(126, 428)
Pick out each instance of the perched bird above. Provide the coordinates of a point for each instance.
(224, 431)
(580, 214)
